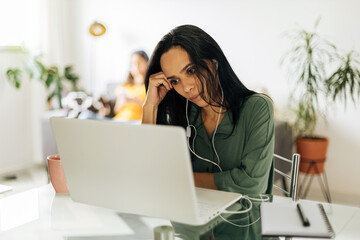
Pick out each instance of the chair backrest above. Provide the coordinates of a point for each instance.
(293, 177)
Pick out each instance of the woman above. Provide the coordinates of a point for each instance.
(230, 128)
(131, 95)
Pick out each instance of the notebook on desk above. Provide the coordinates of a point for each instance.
(139, 169)
(283, 219)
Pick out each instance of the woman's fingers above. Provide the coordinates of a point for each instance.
(159, 79)
(158, 88)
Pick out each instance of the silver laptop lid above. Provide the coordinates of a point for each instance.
(140, 169)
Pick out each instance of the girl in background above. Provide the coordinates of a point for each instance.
(131, 95)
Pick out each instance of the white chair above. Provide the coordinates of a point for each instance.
(293, 177)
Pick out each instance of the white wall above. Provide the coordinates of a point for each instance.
(19, 118)
(249, 33)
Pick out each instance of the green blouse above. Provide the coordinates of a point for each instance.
(246, 155)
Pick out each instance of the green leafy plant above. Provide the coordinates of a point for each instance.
(49, 76)
(14, 77)
(309, 62)
(346, 79)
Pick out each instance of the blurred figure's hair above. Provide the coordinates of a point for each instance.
(130, 78)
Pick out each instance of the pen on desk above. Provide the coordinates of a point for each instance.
(304, 219)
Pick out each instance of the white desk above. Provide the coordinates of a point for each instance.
(41, 214)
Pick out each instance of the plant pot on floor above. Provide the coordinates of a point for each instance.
(312, 152)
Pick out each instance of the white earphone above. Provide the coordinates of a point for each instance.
(188, 130)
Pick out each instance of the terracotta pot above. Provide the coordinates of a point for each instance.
(56, 174)
(312, 150)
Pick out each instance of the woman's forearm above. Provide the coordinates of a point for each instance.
(204, 180)
(149, 114)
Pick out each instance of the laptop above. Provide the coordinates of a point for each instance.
(139, 169)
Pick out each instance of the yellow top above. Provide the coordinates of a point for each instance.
(132, 110)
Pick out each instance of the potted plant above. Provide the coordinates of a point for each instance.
(311, 63)
(50, 76)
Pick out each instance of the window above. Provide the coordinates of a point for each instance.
(20, 23)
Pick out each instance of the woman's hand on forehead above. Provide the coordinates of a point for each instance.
(158, 88)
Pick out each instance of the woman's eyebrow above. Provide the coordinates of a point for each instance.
(182, 70)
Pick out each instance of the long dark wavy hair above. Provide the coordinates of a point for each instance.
(202, 49)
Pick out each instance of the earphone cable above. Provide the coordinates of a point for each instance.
(261, 199)
(204, 159)
(188, 134)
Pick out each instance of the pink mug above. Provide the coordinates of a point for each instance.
(56, 173)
